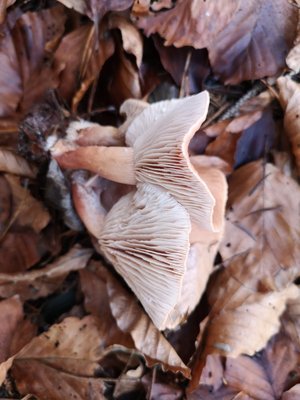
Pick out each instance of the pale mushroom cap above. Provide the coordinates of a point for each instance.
(160, 140)
(146, 238)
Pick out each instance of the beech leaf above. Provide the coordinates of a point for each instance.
(245, 39)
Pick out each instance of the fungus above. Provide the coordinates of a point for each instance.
(159, 137)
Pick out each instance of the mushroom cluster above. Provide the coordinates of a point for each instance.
(162, 234)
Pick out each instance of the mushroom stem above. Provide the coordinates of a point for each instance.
(113, 163)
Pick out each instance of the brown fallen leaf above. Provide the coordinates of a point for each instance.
(27, 211)
(62, 362)
(81, 56)
(235, 55)
(291, 321)
(245, 321)
(292, 394)
(289, 94)
(14, 164)
(15, 332)
(225, 393)
(96, 10)
(247, 136)
(41, 282)
(23, 58)
(20, 249)
(293, 58)
(124, 315)
(176, 61)
(263, 377)
(263, 208)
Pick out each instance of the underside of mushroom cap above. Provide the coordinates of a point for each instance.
(146, 238)
(160, 136)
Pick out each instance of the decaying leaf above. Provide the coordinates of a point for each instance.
(292, 394)
(293, 58)
(27, 211)
(263, 208)
(14, 164)
(41, 282)
(89, 49)
(244, 322)
(291, 321)
(128, 318)
(15, 332)
(96, 10)
(23, 58)
(264, 376)
(245, 39)
(289, 92)
(62, 362)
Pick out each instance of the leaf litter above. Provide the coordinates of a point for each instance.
(93, 78)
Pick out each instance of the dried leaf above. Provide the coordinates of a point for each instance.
(263, 377)
(95, 9)
(289, 92)
(12, 324)
(235, 54)
(132, 321)
(263, 218)
(291, 321)
(28, 211)
(186, 60)
(20, 249)
(13, 164)
(41, 282)
(293, 58)
(62, 362)
(81, 56)
(243, 322)
(131, 37)
(292, 394)
(23, 57)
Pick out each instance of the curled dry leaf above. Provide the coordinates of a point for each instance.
(15, 332)
(81, 56)
(263, 208)
(128, 322)
(41, 282)
(264, 376)
(293, 58)
(95, 9)
(291, 321)
(23, 58)
(234, 53)
(245, 322)
(27, 211)
(14, 164)
(62, 362)
(247, 136)
(292, 394)
(289, 92)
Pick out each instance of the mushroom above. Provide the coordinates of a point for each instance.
(159, 137)
(146, 238)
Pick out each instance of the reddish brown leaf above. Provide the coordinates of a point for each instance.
(234, 33)
(130, 319)
(95, 9)
(14, 164)
(289, 92)
(292, 394)
(62, 362)
(41, 282)
(264, 377)
(263, 208)
(81, 56)
(23, 58)
(15, 332)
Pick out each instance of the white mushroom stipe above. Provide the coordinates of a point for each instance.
(146, 238)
